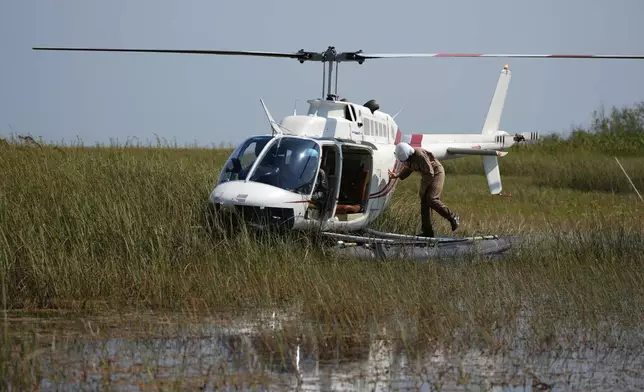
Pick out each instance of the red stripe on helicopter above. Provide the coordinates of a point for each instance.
(388, 186)
(416, 140)
(398, 136)
(385, 191)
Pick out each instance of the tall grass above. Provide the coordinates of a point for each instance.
(112, 227)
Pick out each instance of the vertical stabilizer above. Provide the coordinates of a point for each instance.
(492, 173)
(493, 118)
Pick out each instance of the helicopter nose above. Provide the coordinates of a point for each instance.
(259, 204)
(254, 193)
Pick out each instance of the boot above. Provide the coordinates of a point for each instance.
(426, 232)
(429, 234)
(454, 220)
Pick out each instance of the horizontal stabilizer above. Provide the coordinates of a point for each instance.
(492, 174)
(475, 151)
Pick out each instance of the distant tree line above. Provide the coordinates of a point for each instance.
(619, 132)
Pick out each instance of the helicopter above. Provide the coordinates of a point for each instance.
(269, 179)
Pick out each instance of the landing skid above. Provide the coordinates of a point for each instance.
(378, 237)
(383, 246)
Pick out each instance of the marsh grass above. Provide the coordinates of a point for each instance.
(93, 230)
(117, 227)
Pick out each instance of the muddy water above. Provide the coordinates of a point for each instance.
(267, 351)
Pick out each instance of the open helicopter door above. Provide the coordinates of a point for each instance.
(331, 163)
(335, 181)
(353, 196)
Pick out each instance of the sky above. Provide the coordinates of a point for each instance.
(95, 97)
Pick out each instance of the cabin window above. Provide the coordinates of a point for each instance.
(326, 111)
(353, 112)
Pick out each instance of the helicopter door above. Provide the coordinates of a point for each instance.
(331, 162)
(335, 188)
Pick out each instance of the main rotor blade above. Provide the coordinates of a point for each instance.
(296, 55)
(558, 56)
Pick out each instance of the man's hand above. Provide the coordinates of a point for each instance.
(392, 175)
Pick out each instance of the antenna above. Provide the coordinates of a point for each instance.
(397, 113)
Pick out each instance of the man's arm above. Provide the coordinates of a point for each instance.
(324, 184)
(404, 172)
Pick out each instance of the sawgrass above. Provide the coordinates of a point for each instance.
(102, 228)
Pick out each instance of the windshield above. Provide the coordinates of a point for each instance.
(242, 159)
(290, 164)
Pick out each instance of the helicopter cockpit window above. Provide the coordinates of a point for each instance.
(241, 160)
(290, 164)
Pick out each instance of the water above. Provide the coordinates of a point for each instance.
(269, 351)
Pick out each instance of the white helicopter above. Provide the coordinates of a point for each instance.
(270, 179)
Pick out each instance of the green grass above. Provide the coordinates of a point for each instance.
(104, 229)
(112, 227)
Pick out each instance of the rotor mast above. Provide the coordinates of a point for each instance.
(333, 58)
(329, 58)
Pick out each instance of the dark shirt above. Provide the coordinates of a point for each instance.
(321, 187)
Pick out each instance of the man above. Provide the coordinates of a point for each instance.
(321, 191)
(431, 184)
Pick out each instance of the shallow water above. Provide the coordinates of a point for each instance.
(263, 351)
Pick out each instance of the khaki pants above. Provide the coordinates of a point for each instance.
(430, 192)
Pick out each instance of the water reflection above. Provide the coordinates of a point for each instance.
(240, 355)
